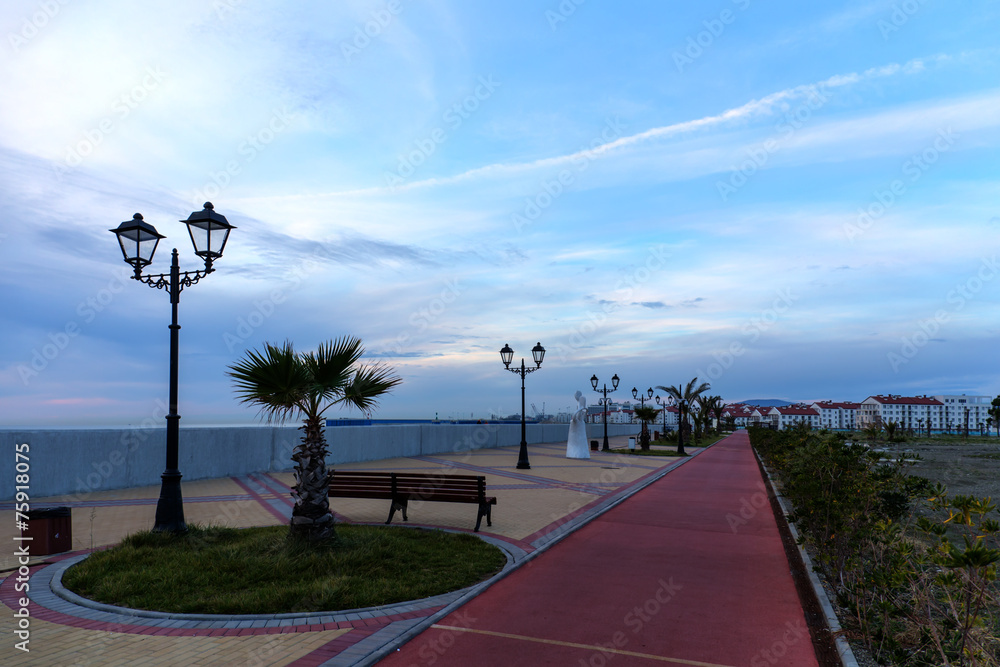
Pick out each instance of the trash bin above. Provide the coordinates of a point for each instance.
(631, 443)
(593, 445)
(50, 530)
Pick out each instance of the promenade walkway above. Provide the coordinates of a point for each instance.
(663, 575)
(668, 577)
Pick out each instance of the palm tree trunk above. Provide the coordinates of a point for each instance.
(311, 517)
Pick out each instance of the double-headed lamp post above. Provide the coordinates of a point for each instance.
(138, 239)
(604, 410)
(506, 355)
(642, 399)
(666, 403)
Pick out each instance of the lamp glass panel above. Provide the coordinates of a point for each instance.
(208, 236)
(506, 354)
(538, 353)
(138, 243)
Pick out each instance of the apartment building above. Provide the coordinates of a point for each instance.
(787, 416)
(943, 413)
(836, 415)
(740, 413)
(961, 411)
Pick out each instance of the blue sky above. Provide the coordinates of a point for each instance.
(788, 200)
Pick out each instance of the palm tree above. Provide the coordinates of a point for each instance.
(890, 430)
(286, 383)
(645, 414)
(684, 397)
(713, 407)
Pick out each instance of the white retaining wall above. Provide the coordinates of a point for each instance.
(81, 461)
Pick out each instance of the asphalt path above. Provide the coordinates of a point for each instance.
(689, 571)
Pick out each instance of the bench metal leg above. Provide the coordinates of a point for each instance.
(486, 510)
(397, 505)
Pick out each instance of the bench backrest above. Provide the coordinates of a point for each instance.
(412, 486)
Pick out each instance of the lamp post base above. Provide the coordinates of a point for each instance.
(170, 506)
(522, 458)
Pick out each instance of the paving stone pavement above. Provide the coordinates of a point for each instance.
(535, 508)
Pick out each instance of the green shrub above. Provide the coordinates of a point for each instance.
(913, 594)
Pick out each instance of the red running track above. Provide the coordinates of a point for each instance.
(688, 571)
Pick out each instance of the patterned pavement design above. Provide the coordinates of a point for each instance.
(536, 508)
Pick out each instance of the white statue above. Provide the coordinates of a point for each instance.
(576, 443)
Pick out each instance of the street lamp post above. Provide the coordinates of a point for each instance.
(642, 399)
(138, 239)
(506, 354)
(604, 410)
(666, 403)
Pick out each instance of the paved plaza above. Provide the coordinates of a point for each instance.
(535, 510)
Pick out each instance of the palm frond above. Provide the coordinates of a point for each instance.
(367, 384)
(673, 391)
(274, 379)
(691, 393)
(646, 413)
(332, 364)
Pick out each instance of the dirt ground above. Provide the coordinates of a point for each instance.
(967, 467)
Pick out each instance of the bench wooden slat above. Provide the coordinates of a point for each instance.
(400, 488)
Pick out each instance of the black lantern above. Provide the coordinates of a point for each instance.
(209, 233)
(138, 241)
(537, 353)
(506, 354)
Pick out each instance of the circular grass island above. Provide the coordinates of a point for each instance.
(219, 570)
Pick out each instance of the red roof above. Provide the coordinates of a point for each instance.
(795, 410)
(905, 400)
(843, 405)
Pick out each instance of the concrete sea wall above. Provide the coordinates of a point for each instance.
(78, 462)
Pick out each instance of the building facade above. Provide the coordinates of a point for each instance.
(836, 415)
(943, 413)
(788, 416)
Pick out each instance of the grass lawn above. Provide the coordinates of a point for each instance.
(260, 571)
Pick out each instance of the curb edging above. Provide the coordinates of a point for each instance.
(843, 647)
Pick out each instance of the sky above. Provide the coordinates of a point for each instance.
(787, 200)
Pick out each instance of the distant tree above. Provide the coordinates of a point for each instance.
(890, 430)
(284, 383)
(995, 413)
(645, 414)
(714, 406)
(872, 431)
(684, 398)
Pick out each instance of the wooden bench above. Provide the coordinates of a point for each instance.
(400, 488)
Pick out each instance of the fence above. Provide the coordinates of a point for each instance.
(86, 460)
